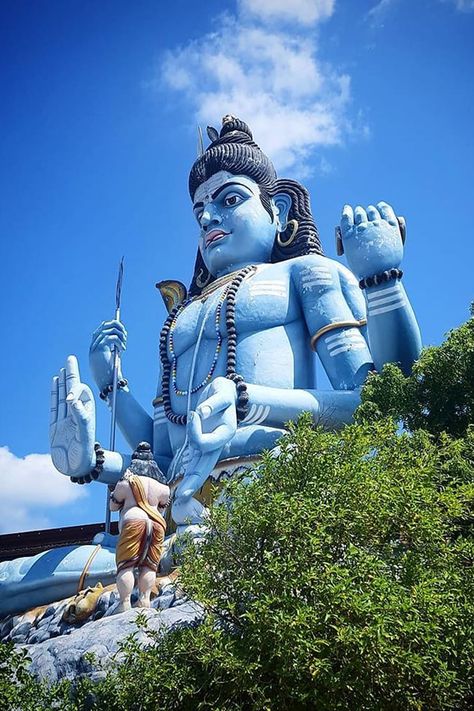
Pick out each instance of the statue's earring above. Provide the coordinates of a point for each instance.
(294, 229)
(203, 282)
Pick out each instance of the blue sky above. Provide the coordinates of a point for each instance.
(361, 100)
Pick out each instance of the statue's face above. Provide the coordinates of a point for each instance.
(236, 230)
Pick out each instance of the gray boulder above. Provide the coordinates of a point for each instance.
(38, 637)
(22, 629)
(68, 656)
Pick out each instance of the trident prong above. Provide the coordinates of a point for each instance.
(116, 367)
(200, 143)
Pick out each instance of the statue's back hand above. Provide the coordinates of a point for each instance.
(72, 422)
(371, 238)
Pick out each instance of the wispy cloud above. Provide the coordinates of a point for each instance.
(274, 79)
(462, 5)
(378, 13)
(306, 12)
(29, 488)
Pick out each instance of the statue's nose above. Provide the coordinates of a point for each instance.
(210, 217)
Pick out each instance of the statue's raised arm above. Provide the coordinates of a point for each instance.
(72, 422)
(72, 431)
(373, 242)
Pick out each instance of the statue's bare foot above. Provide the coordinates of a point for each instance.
(143, 603)
(122, 607)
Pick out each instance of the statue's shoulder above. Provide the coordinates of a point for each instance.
(122, 486)
(157, 485)
(310, 262)
(154, 485)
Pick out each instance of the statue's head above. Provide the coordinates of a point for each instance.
(245, 212)
(143, 463)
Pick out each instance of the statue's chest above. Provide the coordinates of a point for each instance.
(262, 302)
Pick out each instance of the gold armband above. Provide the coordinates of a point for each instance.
(157, 401)
(333, 326)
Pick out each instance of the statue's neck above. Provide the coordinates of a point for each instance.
(234, 268)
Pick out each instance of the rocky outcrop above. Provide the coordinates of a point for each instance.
(69, 656)
(59, 649)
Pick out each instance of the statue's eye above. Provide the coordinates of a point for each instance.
(232, 200)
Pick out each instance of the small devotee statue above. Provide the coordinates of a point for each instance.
(141, 497)
(237, 350)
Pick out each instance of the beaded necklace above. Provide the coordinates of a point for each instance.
(220, 281)
(174, 358)
(166, 340)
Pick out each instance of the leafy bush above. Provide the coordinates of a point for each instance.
(439, 394)
(340, 576)
(17, 686)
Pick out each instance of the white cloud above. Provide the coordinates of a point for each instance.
(29, 487)
(463, 5)
(274, 80)
(306, 12)
(378, 12)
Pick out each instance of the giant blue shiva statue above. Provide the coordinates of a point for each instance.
(237, 349)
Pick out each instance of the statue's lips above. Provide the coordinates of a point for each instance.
(214, 236)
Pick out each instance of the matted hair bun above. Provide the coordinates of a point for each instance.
(234, 150)
(143, 463)
(143, 452)
(231, 123)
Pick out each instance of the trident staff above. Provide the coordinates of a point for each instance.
(116, 354)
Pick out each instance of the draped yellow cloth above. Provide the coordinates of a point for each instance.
(140, 542)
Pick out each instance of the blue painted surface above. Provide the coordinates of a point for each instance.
(281, 310)
(50, 576)
(94, 166)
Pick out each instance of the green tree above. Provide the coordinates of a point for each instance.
(338, 576)
(439, 394)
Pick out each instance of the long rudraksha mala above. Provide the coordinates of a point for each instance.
(174, 358)
(169, 366)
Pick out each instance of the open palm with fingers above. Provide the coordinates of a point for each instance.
(210, 427)
(371, 238)
(72, 422)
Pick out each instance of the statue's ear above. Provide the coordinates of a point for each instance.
(282, 202)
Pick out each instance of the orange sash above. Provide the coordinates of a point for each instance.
(141, 541)
(140, 497)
